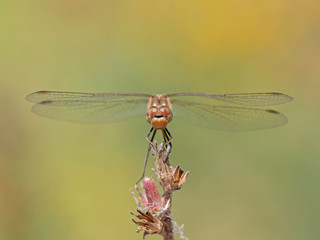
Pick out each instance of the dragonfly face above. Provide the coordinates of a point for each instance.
(159, 112)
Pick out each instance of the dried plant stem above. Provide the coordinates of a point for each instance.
(167, 220)
(161, 157)
(156, 218)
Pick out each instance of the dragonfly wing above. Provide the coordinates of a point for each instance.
(227, 117)
(87, 108)
(41, 96)
(249, 99)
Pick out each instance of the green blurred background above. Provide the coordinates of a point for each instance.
(66, 181)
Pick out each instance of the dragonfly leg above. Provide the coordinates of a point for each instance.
(167, 137)
(147, 137)
(153, 131)
(167, 131)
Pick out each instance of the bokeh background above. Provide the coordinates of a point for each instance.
(66, 181)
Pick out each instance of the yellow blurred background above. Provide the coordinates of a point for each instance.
(66, 181)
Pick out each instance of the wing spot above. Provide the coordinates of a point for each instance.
(41, 92)
(272, 111)
(46, 102)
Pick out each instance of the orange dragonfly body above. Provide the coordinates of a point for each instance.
(160, 109)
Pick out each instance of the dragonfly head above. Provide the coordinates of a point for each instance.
(159, 112)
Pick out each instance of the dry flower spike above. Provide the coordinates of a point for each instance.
(155, 218)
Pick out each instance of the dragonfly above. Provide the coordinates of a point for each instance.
(159, 110)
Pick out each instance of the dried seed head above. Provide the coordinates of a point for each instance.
(171, 178)
(149, 223)
(179, 177)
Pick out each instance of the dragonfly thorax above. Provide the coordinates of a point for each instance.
(159, 112)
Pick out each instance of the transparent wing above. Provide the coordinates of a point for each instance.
(226, 117)
(87, 107)
(249, 99)
(42, 96)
